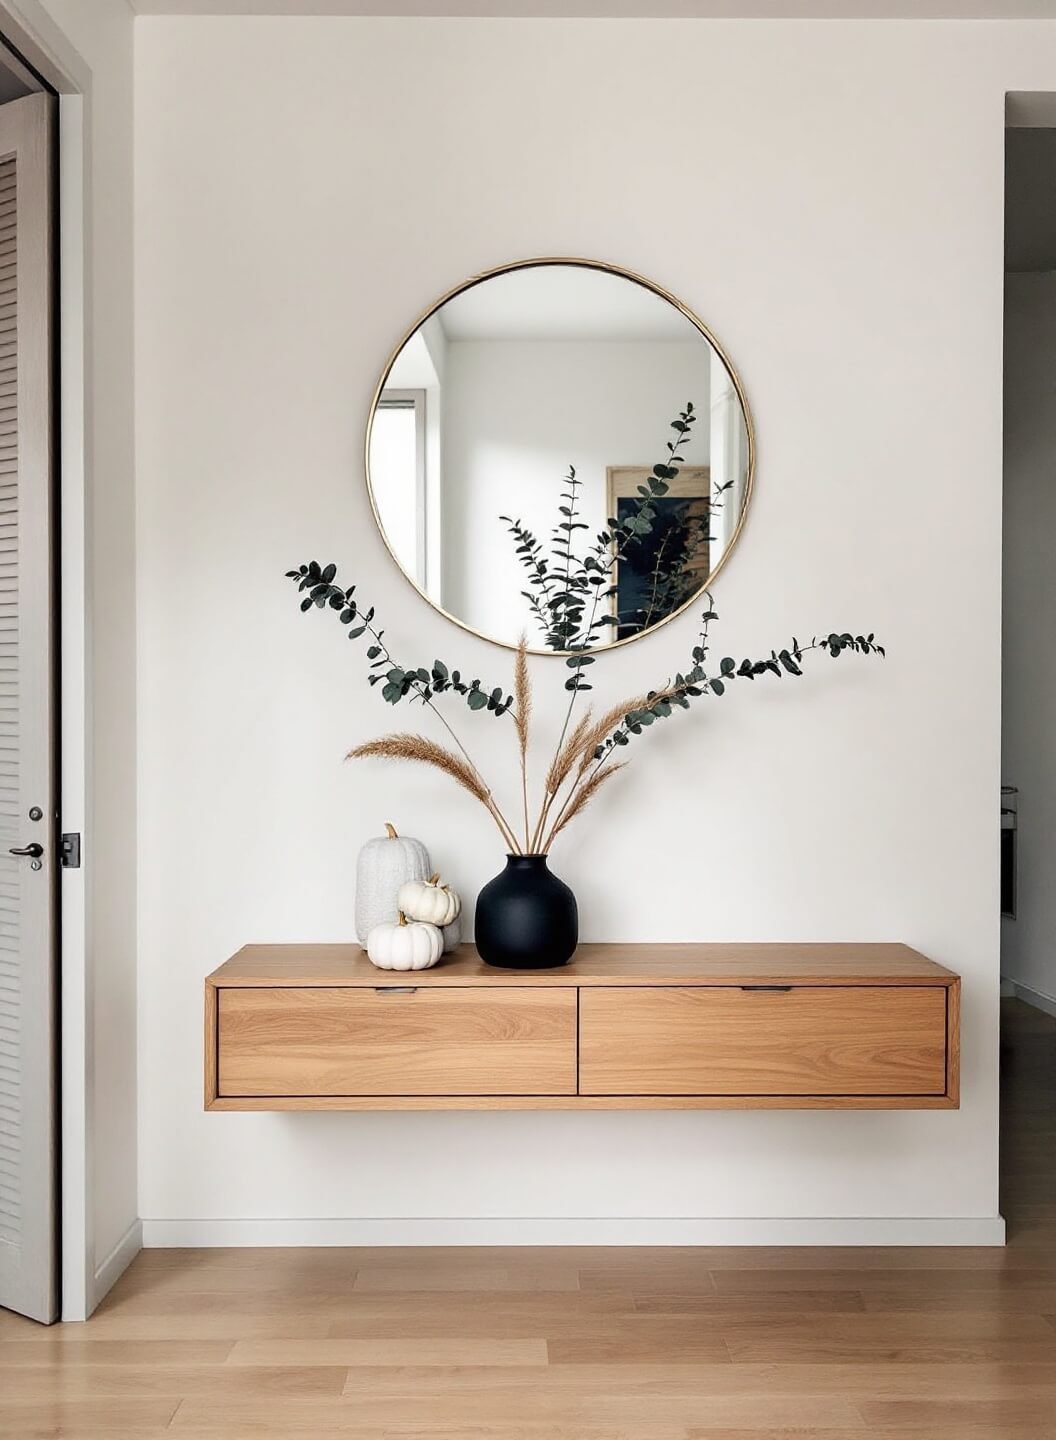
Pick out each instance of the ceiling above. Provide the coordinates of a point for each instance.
(624, 9)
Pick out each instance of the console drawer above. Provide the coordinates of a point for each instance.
(395, 1039)
(796, 1040)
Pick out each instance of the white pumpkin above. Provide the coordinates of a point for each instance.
(405, 945)
(452, 934)
(385, 864)
(430, 901)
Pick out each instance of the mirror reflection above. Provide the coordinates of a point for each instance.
(562, 450)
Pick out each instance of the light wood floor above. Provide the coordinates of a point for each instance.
(552, 1344)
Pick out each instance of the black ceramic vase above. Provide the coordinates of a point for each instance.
(526, 917)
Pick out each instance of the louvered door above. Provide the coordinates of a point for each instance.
(29, 859)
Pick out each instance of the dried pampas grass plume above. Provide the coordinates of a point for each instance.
(566, 757)
(427, 752)
(582, 798)
(522, 714)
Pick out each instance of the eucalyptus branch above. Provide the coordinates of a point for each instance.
(697, 681)
(529, 551)
(683, 689)
(656, 582)
(419, 683)
(612, 544)
(559, 592)
(566, 607)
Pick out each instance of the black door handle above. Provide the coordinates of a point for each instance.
(33, 850)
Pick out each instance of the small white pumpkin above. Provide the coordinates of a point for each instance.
(385, 864)
(405, 945)
(430, 901)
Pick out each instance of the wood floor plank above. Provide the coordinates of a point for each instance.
(797, 1302)
(925, 1302)
(887, 1329)
(875, 1380)
(450, 1275)
(885, 1432)
(95, 1382)
(1007, 1410)
(449, 1352)
(785, 1350)
(59, 1416)
(221, 1325)
(459, 1413)
(639, 1349)
(263, 1303)
(907, 1282)
(673, 1276)
(425, 1431)
(279, 1258)
(490, 1431)
(43, 1431)
(860, 1257)
(43, 1350)
(215, 1279)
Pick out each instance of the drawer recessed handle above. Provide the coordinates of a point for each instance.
(395, 989)
(773, 989)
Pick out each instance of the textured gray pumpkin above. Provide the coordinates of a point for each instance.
(384, 865)
(452, 934)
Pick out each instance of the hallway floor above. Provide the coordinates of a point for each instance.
(592, 1344)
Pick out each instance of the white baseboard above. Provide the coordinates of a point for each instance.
(638, 1230)
(1037, 998)
(116, 1263)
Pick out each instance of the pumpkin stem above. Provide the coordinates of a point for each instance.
(391, 831)
(402, 920)
(434, 878)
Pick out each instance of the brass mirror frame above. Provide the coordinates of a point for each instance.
(607, 268)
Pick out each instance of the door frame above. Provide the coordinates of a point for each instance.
(32, 31)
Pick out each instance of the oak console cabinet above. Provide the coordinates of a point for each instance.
(840, 1027)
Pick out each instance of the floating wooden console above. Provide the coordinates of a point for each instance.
(753, 1027)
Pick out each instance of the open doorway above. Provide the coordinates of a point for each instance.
(1028, 802)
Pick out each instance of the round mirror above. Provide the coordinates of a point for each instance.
(560, 449)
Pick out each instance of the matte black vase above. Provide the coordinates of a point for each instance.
(526, 917)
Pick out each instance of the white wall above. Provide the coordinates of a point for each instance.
(517, 413)
(1028, 943)
(845, 241)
